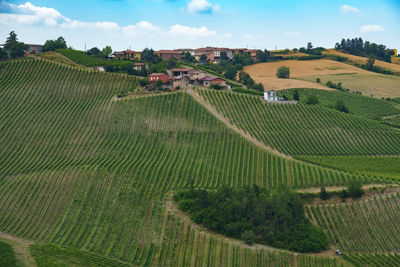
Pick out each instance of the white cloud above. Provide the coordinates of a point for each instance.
(202, 6)
(292, 33)
(346, 9)
(142, 27)
(185, 31)
(372, 28)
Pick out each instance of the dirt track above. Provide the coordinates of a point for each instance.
(21, 248)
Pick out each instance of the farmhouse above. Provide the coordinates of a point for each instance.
(177, 72)
(128, 54)
(271, 96)
(35, 49)
(154, 77)
(209, 81)
(140, 66)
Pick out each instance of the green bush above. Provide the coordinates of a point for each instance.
(254, 215)
(7, 255)
(283, 72)
(247, 91)
(323, 194)
(354, 189)
(312, 100)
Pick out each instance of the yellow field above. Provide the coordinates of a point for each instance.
(304, 74)
(357, 59)
(396, 60)
(265, 73)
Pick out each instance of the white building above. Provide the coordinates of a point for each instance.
(271, 96)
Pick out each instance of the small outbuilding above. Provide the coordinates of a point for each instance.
(271, 96)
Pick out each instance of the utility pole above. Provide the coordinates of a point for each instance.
(85, 47)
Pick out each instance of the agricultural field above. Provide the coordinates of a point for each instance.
(386, 166)
(80, 57)
(366, 226)
(59, 58)
(367, 107)
(265, 73)
(79, 171)
(351, 77)
(362, 60)
(305, 129)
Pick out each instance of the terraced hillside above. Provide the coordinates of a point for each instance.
(305, 129)
(80, 170)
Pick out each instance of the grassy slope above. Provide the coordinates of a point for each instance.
(363, 106)
(82, 171)
(306, 129)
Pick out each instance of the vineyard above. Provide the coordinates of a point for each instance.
(367, 226)
(305, 129)
(80, 57)
(367, 107)
(82, 172)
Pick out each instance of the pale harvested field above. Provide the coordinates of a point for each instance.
(386, 65)
(265, 73)
(396, 60)
(378, 85)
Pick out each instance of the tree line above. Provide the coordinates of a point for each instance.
(358, 47)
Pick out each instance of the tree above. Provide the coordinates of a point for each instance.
(249, 237)
(106, 52)
(187, 57)
(370, 63)
(354, 189)
(159, 83)
(17, 49)
(203, 58)
(323, 194)
(296, 95)
(341, 106)
(224, 56)
(231, 73)
(261, 56)
(149, 55)
(51, 45)
(94, 51)
(309, 46)
(312, 100)
(283, 72)
(3, 53)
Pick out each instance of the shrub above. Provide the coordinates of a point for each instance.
(312, 100)
(249, 237)
(143, 82)
(247, 91)
(296, 95)
(178, 88)
(341, 106)
(318, 80)
(7, 255)
(354, 189)
(323, 194)
(283, 72)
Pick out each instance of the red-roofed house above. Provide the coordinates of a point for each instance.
(154, 77)
(208, 81)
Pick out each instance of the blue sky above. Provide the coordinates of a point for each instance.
(264, 24)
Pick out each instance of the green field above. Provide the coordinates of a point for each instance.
(305, 129)
(364, 106)
(7, 255)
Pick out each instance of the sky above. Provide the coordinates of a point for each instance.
(168, 24)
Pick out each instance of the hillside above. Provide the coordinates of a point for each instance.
(306, 129)
(351, 77)
(361, 60)
(363, 106)
(81, 171)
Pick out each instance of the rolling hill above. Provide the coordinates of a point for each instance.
(80, 171)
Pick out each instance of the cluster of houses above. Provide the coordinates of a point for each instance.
(187, 77)
(213, 54)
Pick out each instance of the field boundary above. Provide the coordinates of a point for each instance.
(20, 247)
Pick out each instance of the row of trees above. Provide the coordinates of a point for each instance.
(52, 45)
(358, 47)
(253, 214)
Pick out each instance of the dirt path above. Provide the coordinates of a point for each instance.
(340, 188)
(221, 118)
(390, 117)
(21, 248)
